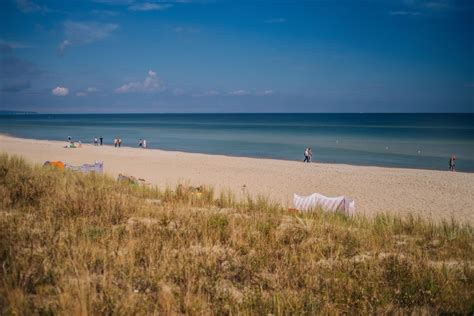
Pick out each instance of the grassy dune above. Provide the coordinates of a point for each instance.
(86, 244)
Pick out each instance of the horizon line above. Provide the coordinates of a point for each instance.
(3, 112)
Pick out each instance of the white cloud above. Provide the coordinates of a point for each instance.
(438, 4)
(27, 6)
(275, 21)
(147, 6)
(86, 92)
(428, 7)
(7, 46)
(87, 32)
(151, 84)
(13, 45)
(80, 33)
(60, 91)
(431, 4)
(239, 92)
(209, 93)
(264, 92)
(63, 46)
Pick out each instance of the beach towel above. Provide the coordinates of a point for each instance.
(97, 167)
(341, 204)
(57, 164)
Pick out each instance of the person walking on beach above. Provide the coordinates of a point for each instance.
(306, 155)
(115, 141)
(144, 143)
(119, 142)
(101, 140)
(452, 163)
(69, 139)
(140, 143)
(96, 143)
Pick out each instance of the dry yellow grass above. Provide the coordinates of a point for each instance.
(86, 244)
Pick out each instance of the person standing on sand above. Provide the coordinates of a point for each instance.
(119, 142)
(310, 154)
(115, 141)
(101, 140)
(140, 143)
(96, 142)
(452, 163)
(306, 155)
(69, 139)
(144, 143)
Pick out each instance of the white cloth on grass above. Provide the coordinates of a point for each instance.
(341, 204)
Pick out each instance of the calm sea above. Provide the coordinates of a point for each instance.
(395, 140)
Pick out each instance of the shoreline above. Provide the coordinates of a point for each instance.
(432, 194)
(64, 142)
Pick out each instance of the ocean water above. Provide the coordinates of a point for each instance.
(395, 140)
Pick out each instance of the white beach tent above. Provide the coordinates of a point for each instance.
(328, 204)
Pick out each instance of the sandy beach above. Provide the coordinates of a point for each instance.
(431, 194)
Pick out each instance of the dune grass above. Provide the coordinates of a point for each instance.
(86, 244)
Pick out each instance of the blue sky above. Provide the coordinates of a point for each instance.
(237, 56)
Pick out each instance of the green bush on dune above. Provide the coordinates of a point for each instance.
(74, 244)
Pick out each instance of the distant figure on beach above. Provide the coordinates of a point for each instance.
(140, 143)
(115, 142)
(452, 163)
(144, 143)
(306, 155)
(96, 142)
(101, 140)
(310, 152)
(119, 142)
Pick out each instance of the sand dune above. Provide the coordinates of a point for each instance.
(432, 194)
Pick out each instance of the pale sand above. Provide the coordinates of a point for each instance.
(432, 194)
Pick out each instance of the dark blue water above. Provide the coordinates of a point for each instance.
(395, 140)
